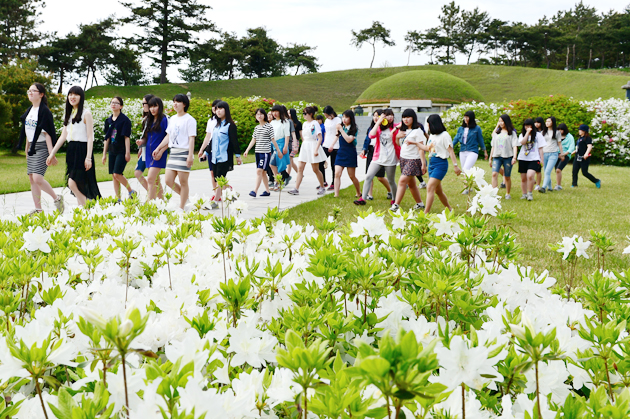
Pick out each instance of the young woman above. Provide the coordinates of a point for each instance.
(311, 151)
(117, 132)
(38, 128)
(368, 153)
(142, 145)
(347, 153)
(412, 159)
(224, 146)
(157, 123)
(583, 157)
(386, 152)
(280, 159)
(552, 150)
(270, 174)
(503, 152)
(262, 137)
(205, 152)
(440, 148)
(532, 143)
(331, 143)
(470, 137)
(78, 130)
(568, 146)
(296, 135)
(182, 130)
(539, 123)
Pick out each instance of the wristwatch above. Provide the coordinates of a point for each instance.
(455, 164)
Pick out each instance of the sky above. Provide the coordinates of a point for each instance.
(327, 28)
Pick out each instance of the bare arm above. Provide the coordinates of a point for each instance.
(89, 125)
(205, 143)
(191, 151)
(451, 153)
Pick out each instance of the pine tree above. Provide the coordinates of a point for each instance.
(18, 28)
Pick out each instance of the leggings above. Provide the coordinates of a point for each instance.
(577, 165)
(390, 173)
(333, 157)
(467, 159)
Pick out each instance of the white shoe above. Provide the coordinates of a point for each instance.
(296, 192)
(465, 192)
(423, 185)
(419, 205)
(59, 204)
(370, 198)
(530, 196)
(536, 187)
(321, 191)
(394, 208)
(508, 196)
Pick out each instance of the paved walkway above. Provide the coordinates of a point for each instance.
(242, 179)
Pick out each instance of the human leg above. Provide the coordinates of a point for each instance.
(415, 191)
(584, 164)
(440, 193)
(369, 177)
(77, 193)
(184, 188)
(403, 181)
(431, 187)
(468, 159)
(35, 191)
(300, 175)
(140, 178)
(576, 170)
(320, 176)
(531, 175)
(337, 181)
(170, 181)
(353, 178)
(390, 172)
(153, 181)
(550, 164)
(524, 183)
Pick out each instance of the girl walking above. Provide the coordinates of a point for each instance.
(78, 130)
(470, 137)
(568, 146)
(583, 157)
(280, 160)
(205, 152)
(141, 166)
(296, 135)
(440, 148)
(157, 123)
(117, 132)
(262, 137)
(368, 153)
(532, 142)
(331, 145)
(38, 128)
(503, 152)
(551, 151)
(539, 123)
(412, 159)
(182, 130)
(347, 153)
(311, 151)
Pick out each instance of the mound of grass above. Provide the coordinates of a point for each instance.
(421, 84)
(341, 88)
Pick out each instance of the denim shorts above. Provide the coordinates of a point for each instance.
(506, 162)
(438, 168)
(141, 165)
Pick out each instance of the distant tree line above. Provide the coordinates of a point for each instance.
(168, 33)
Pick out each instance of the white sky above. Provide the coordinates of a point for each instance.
(308, 22)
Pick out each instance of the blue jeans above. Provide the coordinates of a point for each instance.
(506, 162)
(550, 160)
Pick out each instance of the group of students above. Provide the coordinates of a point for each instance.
(168, 143)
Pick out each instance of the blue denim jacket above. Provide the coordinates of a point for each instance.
(474, 141)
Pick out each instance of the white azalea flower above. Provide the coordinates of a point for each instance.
(36, 239)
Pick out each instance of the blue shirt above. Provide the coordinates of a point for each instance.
(474, 140)
(220, 142)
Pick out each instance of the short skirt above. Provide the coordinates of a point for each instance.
(438, 167)
(36, 164)
(410, 167)
(177, 160)
(307, 152)
(75, 169)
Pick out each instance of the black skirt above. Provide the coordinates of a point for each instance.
(75, 170)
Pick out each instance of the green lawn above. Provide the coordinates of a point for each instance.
(13, 171)
(341, 88)
(545, 220)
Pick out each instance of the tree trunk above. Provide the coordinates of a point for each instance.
(87, 77)
(574, 56)
(408, 57)
(60, 90)
(94, 80)
(373, 53)
(297, 69)
(567, 65)
(590, 57)
(603, 57)
(164, 46)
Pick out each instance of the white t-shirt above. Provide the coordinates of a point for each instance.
(31, 123)
(387, 152)
(503, 144)
(411, 151)
(212, 123)
(310, 130)
(180, 129)
(465, 137)
(441, 143)
(331, 132)
(529, 151)
(552, 144)
(281, 129)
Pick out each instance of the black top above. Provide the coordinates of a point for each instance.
(582, 143)
(298, 128)
(116, 131)
(44, 122)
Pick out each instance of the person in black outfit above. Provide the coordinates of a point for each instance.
(583, 157)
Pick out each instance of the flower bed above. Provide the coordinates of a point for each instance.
(134, 309)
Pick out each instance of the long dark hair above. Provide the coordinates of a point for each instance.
(294, 118)
(262, 111)
(379, 112)
(509, 126)
(154, 123)
(563, 127)
(328, 110)
(228, 117)
(410, 113)
(147, 98)
(353, 125)
(554, 127)
(472, 122)
(541, 121)
(529, 122)
(436, 126)
(75, 90)
(280, 110)
(42, 89)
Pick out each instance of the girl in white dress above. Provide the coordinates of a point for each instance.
(311, 150)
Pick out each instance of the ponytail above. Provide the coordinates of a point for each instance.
(41, 89)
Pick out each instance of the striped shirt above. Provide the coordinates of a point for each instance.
(263, 134)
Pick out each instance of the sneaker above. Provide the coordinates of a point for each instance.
(133, 193)
(524, 196)
(598, 184)
(465, 191)
(331, 187)
(542, 190)
(423, 185)
(35, 211)
(321, 191)
(265, 193)
(536, 187)
(503, 186)
(214, 205)
(574, 186)
(295, 192)
(325, 184)
(359, 201)
(59, 204)
(252, 194)
(318, 188)
(275, 187)
(508, 196)
(286, 182)
(394, 207)
(390, 196)
(118, 201)
(530, 196)
(419, 205)
(370, 198)
(557, 188)
(270, 183)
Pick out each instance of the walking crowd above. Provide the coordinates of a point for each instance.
(283, 144)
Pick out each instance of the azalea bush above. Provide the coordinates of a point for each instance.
(134, 310)
(608, 120)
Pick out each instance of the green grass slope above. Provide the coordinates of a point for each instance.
(341, 88)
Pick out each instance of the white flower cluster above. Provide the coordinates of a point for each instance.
(611, 126)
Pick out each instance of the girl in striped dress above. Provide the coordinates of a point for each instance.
(262, 137)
